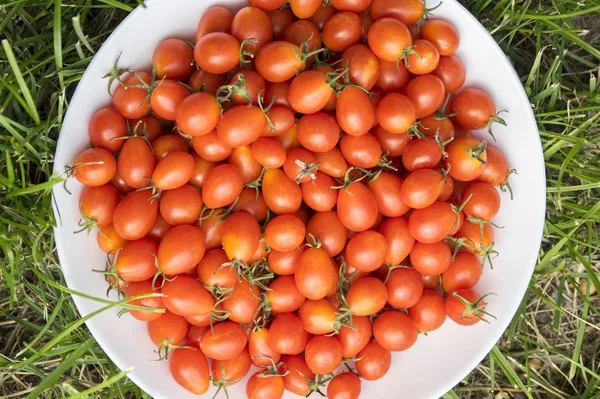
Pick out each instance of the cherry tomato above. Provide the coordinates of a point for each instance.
(427, 93)
(105, 126)
(314, 273)
(458, 311)
(94, 167)
(120, 184)
(241, 125)
(269, 153)
(322, 15)
(166, 97)
(287, 335)
(389, 38)
(251, 86)
(282, 120)
(394, 331)
(284, 295)
(366, 296)
(284, 233)
(463, 273)
(353, 341)
(393, 76)
(267, 5)
(139, 288)
(430, 126)
(131, 99)
(434, 223)
(277, 93)
(224, 342)
(344, 386)
(169, 329)
(428, 314)
(211, 148)
(98, 203)
(354, 111)
(387, 188)
(421, 154)
(496, 169)
(264, 388)
(214, 19)
(341, 31)
(357, 207)
(185, 296)
(431, 282)
(282, 195)
(217, 52)
(447, 189)
(474, 109)
(135, 215)
(452, 73)
(109, 240)
(168, 143)
(259, 346)
(203, 320)
(251, 201)
(295, 380)
(211, 273)
(327, 227)
(252, 23)
(222, 186)
(304, 9)
(409, 11)
(463, 154)
(136, 162)
(172, 59)
(431, 259)
(189, 368)
(399, 241)
(181, 205)
(318, 132)
(374, 363)
(404, 287)
(232, 370)
(480, 239)
(309, 92)
(424, 59)
(278, 61)
(318, 194)
(242, 303)
(206, 82)
(198, 114)
(304, 31)
(241, 235)
(331, 162)
(293, 170)
(181, 249)
(323, 354)
(243, 160)
(366, 251)
(289, 140)
(362, 64)
(201, 169)
(441, 33)
(212, 228)
(396, 113)
(421, 188)
(173, 171)
(484, 202)
(391, 143)
(280, 20)
(318, 316)
(284, 263)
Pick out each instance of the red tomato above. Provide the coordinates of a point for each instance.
(140, 288)
(185, 296)
(94, 167)
(463, 273)
(404, 287)
(467, 157)
(105, 126)
(120, 184)
(318, 194)
(280, 19)
(195, 333)
(109, 240)
(466, 315)
(294, 171)
(302, 31)
(389, 38)
(282, 120)
(198, 114)
(97, 204)
(131, 100)
(318, 316)
(304, 9)
(241, 125)
(396, 113)
(327, 227)
(214, 19)
(374, 363)
(433, 223)
(211, 273)
(353, 341)
(475, 109)
(362, 64)
(484, 202)
(408, 11)
(427, 93)
(394, 331)
(282, 195)
(421, 154)
(452, 73)
(189, 368)
(284, 295)
(173, 171)
(393, 76)
(224, 342)
(172, 59)
(366, 251)
(318, 132)
(366, 296)
(496, 169)
(181, 205)
(269, 153)
(212, 228)
(231, 371)
(322, 15)
(310, 92)
(295, 380)
(201, 169)
(399, 240)
(284, 233)
(135, 215)
(332, 162)
(211, 148)
(314, 273)
(431, 259)
(442, 34)
(181, 249)
(480, 239)
(430, 126)
(278, 61)
(252, 202)
(244, 161)
(267, 5)
(357, 207)
(391, 143)
(429, 313)
(206, 82)
(264, 388)
(241, 235)
(217, 52)
(277, 93)
(252, 84)
(354, 111)
(166, 98)
(287, 335)
(284, 263)
(323, 354)
(259, 346)
(136, 162)
(387, 188)
(344, 386)
(421, 188)
(341, 31)
(164, 145)
(252, 23)
(169, 329)
(222, 186)
(424, 59)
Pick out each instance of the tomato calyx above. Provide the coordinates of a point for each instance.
(111, 276)
(220, 294)
(458, 209)
(459, 243)
(314, 385)
(316, 242)
(225, 92)
(245, 55)
(410, 50)
(260, 321)
(165, 347)
(87, 224)
(481, 222)
(223, 383)
(476, 153)
(343, 314)
(115, 75)
(353, 174)
(149, 87)
(413, 131)
(506, 184)
(486, 252)
(306, 170)
(304, 53)
(441, 114)
(273, 370)
(427, 12)
(384, 163)
(259, 274)
(392, 268)
(256, 183)
(265, 110)
(475, 308)
(495, 119)
(442, 144)
(159, 273)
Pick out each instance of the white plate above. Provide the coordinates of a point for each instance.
(437, 362)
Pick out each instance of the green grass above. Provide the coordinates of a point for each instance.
(550, 349)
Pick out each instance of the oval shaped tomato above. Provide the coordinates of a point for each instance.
(393, 76)
(314, 273)
(366, 296)
(429, 313)
(278, 61)
(211, 273)
(241, 236)
(294, 168)
(463, 273)
(431, 259)
(135, 215)
(317, 317)
(357, 207)
(166, 98)
(295, 380)
(241, 125)
(362, 64)
(282, 120)
(467, 158)
(304, 9)
(284, 263)
(173, 171)
(310, 92)
(319, 194)
(408, 11)
(391, 143)
(284, 233)
(284, 295)
(140, 288)
(434, 223)
(366, 251)
(332, 162)
(243, 159)
(232, 370)
(394, 331)
(421, 188)
(327, 228)
(98, 203)
(206, 82)
(302, 31)
(251, 201)
(374, 363)
(222, 186)
(396, 113)
(318, 132)
(169, 329)
(242, 303)
(496, 169)
(181, 249)
(252, 23)
(264, 388)
(387, 188)
(94, 167)
(399, 239)
(451, 72)
(484, 202)
(201, 169)
(282, 195)
(474, 108)
(441, 33)
(136, 162)
(159, 229)
(277, 93)
(172, 59)
(189, 368)
(479, 238)
(458, 311)
(287, 335)
(341, 31)
(323, 354)
(260, 347)
(198, 114)
(426, 58)
(214, 19)
(353, 341)
(427, 93)
(354, 111)
(109, 240)
(344, 385)
(269, 152)
(217, 52)
(131, 99)
(430, 126)
(211, 148)
(105, 127)
(185, 296)
(421, 154)
(389, 38)
(164, 145)
(404, 287)
(224, 342)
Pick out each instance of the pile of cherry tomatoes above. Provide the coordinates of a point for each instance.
(302, 190)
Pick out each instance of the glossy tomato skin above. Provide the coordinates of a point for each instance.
(394, 331)
(433, 223)
(304, 9)
(357, 207)
(269, 153)
(464, 166)
(181, 249)
(284, 295)
(484, 202)
(404, 287)
(252, 23)
(292, 169)
(375, 361)
(430, 126)
(277, 61)
(198, 114)
(109, 240)
(318, 194)
(244, 161)
(214, 19)
(427, 93)
(242, 303)
(277, 93)
(185, 296)
(478, 238)
(353, 341)
(309, 92)
(409, 11)
(455, 308)
(206, 82)
(393, 76)
(136, 162)
(341, 31)
(172, 59)
(217, 52)
(366, 296)
(94, 167)
(173, 171)
(317, 316)
(210, 272)
(421, 188)
(164, 145)
(264, 388)
(284, 263)
(443, 34)
(267, 5)
(314, 273)
(260, 346)
(241, 125)
(366, 251)
(396, 113)
(473, 108)
(282, 195)
(98, 203)
(318, 132)
(392, 144)
(225, 341)
(363, 65)
(287, 335)
(222, 186)
(295, 381)
(147, 126)
(323, 354)
(387, 188)
(451, 72)
(332, 162)
(139, 288)
(431, 259)
(302, 31)
(327, 227)
(167, 329)
(388, 38)
(201, 169)
(166, 98)
(345, 385)
(426, 61)
(131, 101)
(211, 148)
(212, 228)
(280, 20)
(189, 368)
(232, 370)
(429, 313)
(421, 154)
(284, 233)
(182, 205)
(105, 126)
(463, 273)
(241, 236)
(135, 215)
(399, 240)
(362, 151)
(496, 169)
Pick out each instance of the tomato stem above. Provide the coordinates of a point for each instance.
(441, 114)
(477, 152)
(495, 119)
(475, 308)
(442, 143)
(115, 75)
(506, 184)
(165, 347)
(405, 53)
(413, 131)
(245, 53)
